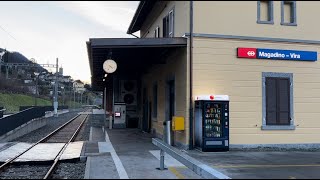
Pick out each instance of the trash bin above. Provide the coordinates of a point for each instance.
(167, 132)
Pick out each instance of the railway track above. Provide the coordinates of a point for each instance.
(66, 133)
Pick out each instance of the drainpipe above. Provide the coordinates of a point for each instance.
(191, 67)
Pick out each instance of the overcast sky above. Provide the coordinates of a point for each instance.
(48, 30)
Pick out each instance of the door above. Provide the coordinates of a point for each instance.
(171, 99)
(170, 105)
(145, 111)
(149, 117)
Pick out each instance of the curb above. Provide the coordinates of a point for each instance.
(196, 166)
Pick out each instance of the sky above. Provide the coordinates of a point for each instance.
(47, 30)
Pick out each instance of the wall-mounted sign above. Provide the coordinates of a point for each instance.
(259, 53)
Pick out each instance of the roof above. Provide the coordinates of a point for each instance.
(140, 15)
(132, 55)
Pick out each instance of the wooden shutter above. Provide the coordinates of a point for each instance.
(278, 101)
(271, 101)
(283, 101)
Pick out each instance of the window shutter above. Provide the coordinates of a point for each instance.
(271, 101)
(284, 101)
(164, 31)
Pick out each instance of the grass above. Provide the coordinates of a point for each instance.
(12, 102)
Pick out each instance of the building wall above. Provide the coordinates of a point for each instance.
(217, 70)
(240, 18)
(176, 67)
(160, 10)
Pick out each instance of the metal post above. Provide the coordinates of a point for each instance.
(161, 159)
(81, 98)
(55, 103)
(35, 100)
(7, 72)
(74, 98)
(104, 105)
(63, 97)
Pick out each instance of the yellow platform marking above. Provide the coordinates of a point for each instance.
(265, 166)
(175, 172)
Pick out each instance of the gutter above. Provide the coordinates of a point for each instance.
(191, 79)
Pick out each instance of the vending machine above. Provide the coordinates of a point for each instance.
(212, 123)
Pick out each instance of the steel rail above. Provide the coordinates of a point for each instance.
(43, 139)
(57, 158)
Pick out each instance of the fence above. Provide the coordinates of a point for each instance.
(47, 108)
(1, 111)
(11, 122)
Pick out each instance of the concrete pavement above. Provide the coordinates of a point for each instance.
(262, 165)
(129, 153)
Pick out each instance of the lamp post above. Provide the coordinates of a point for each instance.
(36, 95)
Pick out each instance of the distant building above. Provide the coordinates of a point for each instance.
(78, 86)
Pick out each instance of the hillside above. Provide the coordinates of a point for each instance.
(16, 57)
(12, 102)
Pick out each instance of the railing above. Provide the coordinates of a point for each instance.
(11, 122)
(2, 111)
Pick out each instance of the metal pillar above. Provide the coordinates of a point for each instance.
(104, 105)
(7, 72)
(74, 99)
(55, 103)
(35, 100)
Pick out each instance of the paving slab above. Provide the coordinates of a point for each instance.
(101, 167)
(72, 151)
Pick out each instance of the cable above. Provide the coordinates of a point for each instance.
(8, 33)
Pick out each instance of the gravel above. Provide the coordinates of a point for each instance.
(84, 133)
(70, 171)
(25, 172)
(52, 124)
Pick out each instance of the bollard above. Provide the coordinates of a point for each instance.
(168, 133)
(110, 121)
(161, 159)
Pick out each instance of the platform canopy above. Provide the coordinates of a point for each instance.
(132, 55)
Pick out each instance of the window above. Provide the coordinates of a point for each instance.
(277, 101)
(155, 100)
(168, 25)
(265, 12)
(288, 13)
(157, 32)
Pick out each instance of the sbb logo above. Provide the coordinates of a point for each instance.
(247, 53)
(251, 53)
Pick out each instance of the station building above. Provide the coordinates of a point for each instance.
(262, 54)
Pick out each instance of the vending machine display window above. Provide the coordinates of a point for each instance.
(212, 123)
